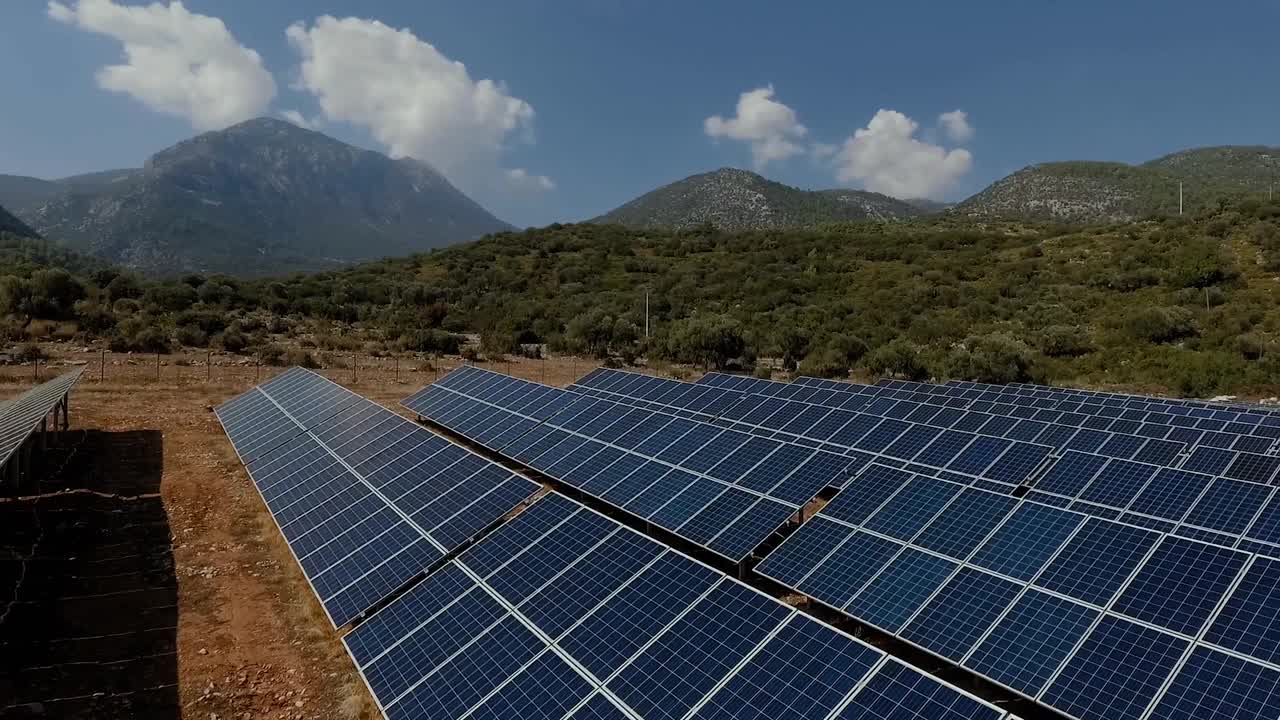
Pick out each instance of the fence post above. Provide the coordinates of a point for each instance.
(157, 367)
(397, 359)
(102, 370)
(208, 366)
(37, 364)
(353, 367)
(257, 371)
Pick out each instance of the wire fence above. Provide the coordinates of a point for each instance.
(230, 370)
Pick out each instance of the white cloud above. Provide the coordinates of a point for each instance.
(955, 126)
(176, 62)
(770, 127)
(886, 157)
(300, 120)
(414, 100)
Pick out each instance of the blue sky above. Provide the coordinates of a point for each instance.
(607, 99)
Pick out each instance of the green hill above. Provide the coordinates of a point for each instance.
(737, 200)
(1090, 192)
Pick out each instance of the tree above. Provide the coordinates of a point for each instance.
(707, 340)
(996, 358)
(896, 358)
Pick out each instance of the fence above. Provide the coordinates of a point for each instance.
(229, 370)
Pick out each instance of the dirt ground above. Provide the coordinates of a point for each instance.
(216, 619)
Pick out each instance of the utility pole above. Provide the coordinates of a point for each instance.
(646, 314)
(1179, 198)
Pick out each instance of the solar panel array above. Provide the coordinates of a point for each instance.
(563, 613)
(1215, 495)
(557, 612)
(1113, 589)
(366, 499)
(20, 416)
(725, 490)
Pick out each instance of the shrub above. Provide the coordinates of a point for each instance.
(270, 354)
(896, 358)
(29, 352)
(825, 363)
(762, 372)
(301, 358)
(1160, 324)
(433, 341)
(191, 336)
(233, 341)
(710, 341)
(996, 358)
(1065, 341)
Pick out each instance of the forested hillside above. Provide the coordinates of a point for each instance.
(1186, 306)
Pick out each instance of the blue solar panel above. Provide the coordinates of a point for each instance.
(961, 613)
(1247, 622)
(965, 523)
(686, 661)
(1029, 643)
(803, 551)
(897, 692)
(979, 455)
(1017, 463)
(1170, 494)
(1228, 506)
(1026, 541)
(944, 449)
(751, 529)
(618, 628)
(868, 491)
(1097, 561)
(1181, 584)
(598, 707)
(1071, 473)
(1089, 684)
(1212, 685)
(803, 672)
(849, 568)
(912, 508)
(546, 689)
(1254, 468)
(894, 595)
(1211, 461)
(1118, 483)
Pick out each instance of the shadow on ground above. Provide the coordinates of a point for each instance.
(88, 595)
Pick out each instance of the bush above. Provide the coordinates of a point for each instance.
(710, 341)
(233, 341)
(896, 358)
(824, 364)
(1065, 341)
(136, 337)
(29, 352)
(270, 354)
(300, 358)
(191, 336)
(432, 341)
(1160, 324)
(996, 358)
(762, 372)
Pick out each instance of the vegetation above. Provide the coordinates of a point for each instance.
(1181, 305)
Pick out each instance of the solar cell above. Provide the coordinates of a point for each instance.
(804, 671)
(900, 589)
(964, 609)
(1181, 584)
(897, 692)
(687, 660)
(1088, 684)
(1212, 685)
(1028, 644)
(1097, 561)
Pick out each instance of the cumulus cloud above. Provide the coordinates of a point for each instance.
(414, 100)
(768, 126)
(176, 62)
(886, 157)
(955, 126)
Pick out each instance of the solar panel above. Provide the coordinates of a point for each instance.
(1027, 645)
(1097, 560)
(964, 609)
(1182, 583)
(897, 692)
(901, 588)
(1089, 685)
(1212, 685)
(358, 538)
(1247, 622)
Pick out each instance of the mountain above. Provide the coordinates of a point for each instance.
(261, 197)
(1084, 192)
(11, 224)
(735, 200)
(927, 206)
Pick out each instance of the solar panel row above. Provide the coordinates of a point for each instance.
(932, 450)
(1095, 618)
(1248, 433)
(562, 613)
(724, 490)
(20, 416)
(366, 500)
